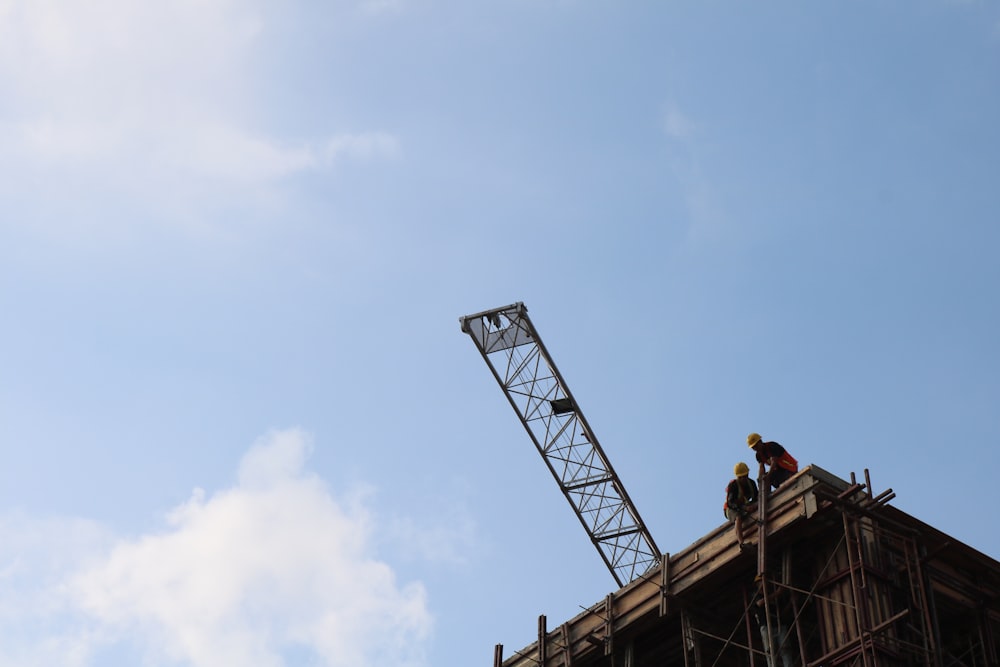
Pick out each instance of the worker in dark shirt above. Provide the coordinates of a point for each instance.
(741, 493)
(780, 464)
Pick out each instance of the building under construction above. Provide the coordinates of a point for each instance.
(834, 575)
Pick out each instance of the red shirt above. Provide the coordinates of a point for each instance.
(772, 450)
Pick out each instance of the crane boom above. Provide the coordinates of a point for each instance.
(509, 343)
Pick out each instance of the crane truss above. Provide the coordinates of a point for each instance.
(509, 343)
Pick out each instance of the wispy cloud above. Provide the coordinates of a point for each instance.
(701, 199)
(274, 566)
(380, 7)
(365, 146)
(112, 71)
(449, 540)
(676, 124)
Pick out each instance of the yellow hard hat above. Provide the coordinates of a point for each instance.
(753, 439)
(741, 469)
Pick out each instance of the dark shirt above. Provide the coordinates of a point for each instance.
(769, 450)
(749, 492)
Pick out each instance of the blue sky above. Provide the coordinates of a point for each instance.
(239, 422)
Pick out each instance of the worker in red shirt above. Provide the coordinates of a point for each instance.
(781, 465)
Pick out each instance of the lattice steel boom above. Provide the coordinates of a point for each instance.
(521, 365)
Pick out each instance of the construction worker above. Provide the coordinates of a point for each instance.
(779, 462)
(740, 494)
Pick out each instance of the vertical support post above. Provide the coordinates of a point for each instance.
(935, 629)
(785, 624)
(609, 637)
(768, 628)
(664, 584)
(567, 646)
(930, 635)
(860, 545)
(987, 638)
(691, 647)
(542, 644)
(858, 603)
(798, 628)
(629, 658)
(749, 627)
(498, 655)
(762, 523)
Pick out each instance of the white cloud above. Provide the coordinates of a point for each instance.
(274, 458)
(160, 101)
(274, 566)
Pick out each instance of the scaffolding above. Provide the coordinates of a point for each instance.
(837, 577)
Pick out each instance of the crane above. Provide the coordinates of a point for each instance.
(509, 343)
